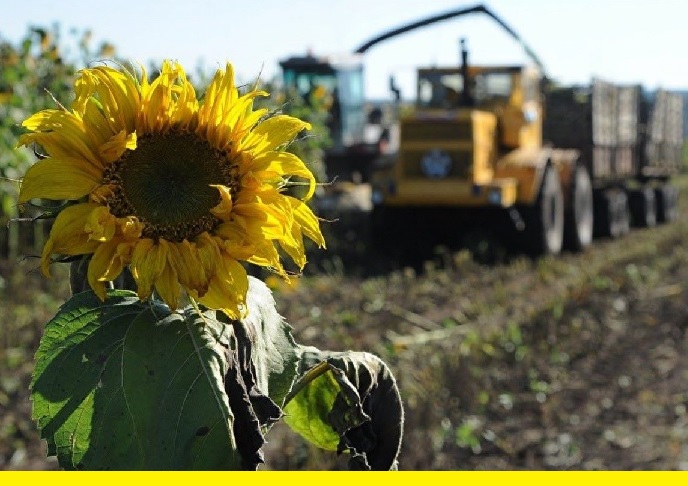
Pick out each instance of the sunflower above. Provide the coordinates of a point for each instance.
(178, 189)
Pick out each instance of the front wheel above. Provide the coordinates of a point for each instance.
(545, 219)
(578, 228)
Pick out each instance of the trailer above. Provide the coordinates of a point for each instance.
(630, 143)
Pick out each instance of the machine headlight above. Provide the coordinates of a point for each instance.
(494, 196)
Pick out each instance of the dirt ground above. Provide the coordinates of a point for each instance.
(574, 362)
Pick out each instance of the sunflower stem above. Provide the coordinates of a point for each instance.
(196, 307)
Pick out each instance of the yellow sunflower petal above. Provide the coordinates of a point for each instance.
(304, 216)
(234, 240)
(62, 134)
(238, 121)
(254, 117)
(236, 243)
(227, 290)
(220, 95)
(259, 222)
(129, 227)
(100, 224)
(59, 178)
(68, 235)
(305, 222)
(150, 268)
(95, 123)
(293, 246)
(170, 100)
(168, 287)
(106, 264)
(185, 114)
(83, 90)
(117, 95)
(208, 253)
(115, 147)
(147, 262)
(283, 164)
(120, 257)
(157, 100)
(273, 133)
(184, 259)
(266, 213)
(224, 209)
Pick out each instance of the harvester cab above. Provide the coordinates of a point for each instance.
(510, 93)
(336, 82)
(340, 84)
(467, 119)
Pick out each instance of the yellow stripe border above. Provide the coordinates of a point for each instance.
(413, 478)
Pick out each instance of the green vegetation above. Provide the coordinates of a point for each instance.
(36, 74)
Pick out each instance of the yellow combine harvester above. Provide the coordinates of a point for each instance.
(482, 144)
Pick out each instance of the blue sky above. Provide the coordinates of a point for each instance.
(629, 41)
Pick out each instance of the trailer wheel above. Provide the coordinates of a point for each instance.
(612, 213)
(666, 197)
(643, 207)
(545, 219)
(623, 214)
(578, 227)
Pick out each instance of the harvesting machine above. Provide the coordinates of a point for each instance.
(503, 147)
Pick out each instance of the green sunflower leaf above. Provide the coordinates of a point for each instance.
(307, 412)
(129, 385)
(123, 384)
(348, 402)
(273, 353)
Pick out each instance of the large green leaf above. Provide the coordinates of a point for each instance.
(129, 385)
(307, 411)
(348, 402)
(273, 352)
(123, 384)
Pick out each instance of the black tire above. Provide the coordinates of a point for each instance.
(544, 220)
(643, 207)
(622, 214)
(381, 227)
(612, 213)
(579, 219)
(666, 197)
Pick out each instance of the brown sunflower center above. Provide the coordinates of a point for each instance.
(166, 183)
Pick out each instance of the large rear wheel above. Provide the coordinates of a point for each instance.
(666, 197)
(612, 215)
(644, 207)
(578, 227)
(545, 219)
